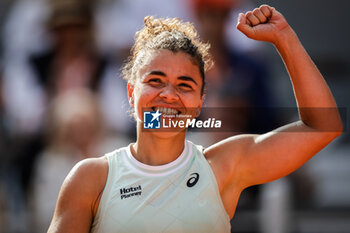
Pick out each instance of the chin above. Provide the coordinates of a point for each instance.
(165, 133)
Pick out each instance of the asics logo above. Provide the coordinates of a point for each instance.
(193, 180)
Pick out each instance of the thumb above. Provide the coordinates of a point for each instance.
(244, 25)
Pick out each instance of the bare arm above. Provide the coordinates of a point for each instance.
(76, 204)
(259, 159)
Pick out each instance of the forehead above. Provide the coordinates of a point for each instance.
(171, 63)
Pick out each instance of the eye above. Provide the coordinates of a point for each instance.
(185, 86)
(155, 81)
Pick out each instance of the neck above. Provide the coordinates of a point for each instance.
(152, 149)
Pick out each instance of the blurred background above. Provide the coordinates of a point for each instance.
(62, 100)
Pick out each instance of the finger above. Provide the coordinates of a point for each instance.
(244, 25)
(266, 10)
(242, 22)
(249, 23)
(252, 18)
(242, 19)
(262, 18)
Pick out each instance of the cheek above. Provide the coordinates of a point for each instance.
(144, 93)
(143, 96)
(191, 100)
(194, 96)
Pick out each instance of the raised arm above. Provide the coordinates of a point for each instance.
(256, 159)
(79, 196)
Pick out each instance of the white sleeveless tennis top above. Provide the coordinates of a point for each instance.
(181, 196)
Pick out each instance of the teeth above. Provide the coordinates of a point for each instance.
(167, 111)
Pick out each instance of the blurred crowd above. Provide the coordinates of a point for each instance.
(62, 98)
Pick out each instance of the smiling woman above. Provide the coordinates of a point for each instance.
(167, 34)
(164, 183)
(172, 77)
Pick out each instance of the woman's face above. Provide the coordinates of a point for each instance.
(168, 82)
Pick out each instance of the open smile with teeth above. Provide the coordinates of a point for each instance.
(167, 111)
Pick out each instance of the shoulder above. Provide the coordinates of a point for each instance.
(78, 196)
(226, 155)
(88, 177)
(89, 173)
(232, 146)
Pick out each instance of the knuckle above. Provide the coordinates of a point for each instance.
(264, 6)
(266, 11)
(256, 11)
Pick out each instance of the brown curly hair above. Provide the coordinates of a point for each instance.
(172, 34)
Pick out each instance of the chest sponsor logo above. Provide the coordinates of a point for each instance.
(193, 180)
(130, 192)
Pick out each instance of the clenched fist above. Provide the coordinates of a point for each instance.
(264, 23)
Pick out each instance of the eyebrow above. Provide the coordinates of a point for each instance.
(156, 72)
(188, 78)
(184, 78)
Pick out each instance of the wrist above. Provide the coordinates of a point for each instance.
(285, 37)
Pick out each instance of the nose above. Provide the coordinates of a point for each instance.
(169, 94)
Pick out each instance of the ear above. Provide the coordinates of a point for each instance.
(131, 94)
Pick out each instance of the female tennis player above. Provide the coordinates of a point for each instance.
(164, 183)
